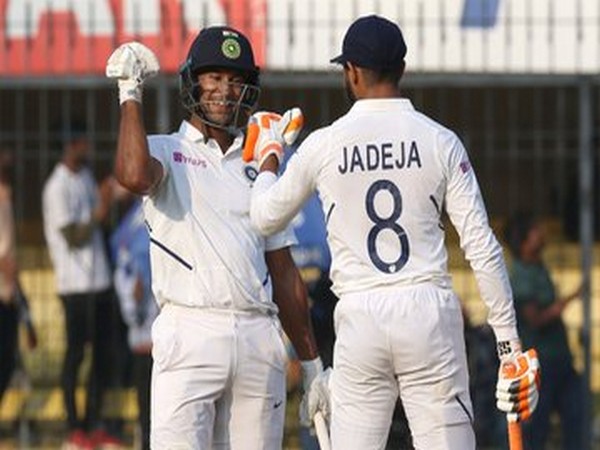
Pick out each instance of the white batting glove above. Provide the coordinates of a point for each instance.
(517, 390)
(268, 132)
(316, 394)
(131, 64)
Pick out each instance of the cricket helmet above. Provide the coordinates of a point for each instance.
(217, 48)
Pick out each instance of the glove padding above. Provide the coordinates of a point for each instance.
(517, 390)
(316, 398)
(131, 64)
(268, 132)
(310, 370)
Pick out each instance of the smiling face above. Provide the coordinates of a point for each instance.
(220, 96)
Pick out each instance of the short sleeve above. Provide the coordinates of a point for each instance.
(285, 238)
(159, 150)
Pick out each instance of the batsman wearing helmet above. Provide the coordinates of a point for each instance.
(223, 289)
(384, 173)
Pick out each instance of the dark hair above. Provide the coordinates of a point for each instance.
(516, 231)
(69, 131)
(376, 76)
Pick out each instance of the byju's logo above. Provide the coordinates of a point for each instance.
(179, 157)
(480, 13)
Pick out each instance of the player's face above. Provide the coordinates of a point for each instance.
(220, 95)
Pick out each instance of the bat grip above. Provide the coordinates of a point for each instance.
(322, 432)
(515, 438)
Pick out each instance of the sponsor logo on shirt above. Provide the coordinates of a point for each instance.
(465, 166)
(179, 157)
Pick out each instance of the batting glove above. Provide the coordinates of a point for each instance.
(268, 132)
(517, 390)
(317, 397)
(131, 64)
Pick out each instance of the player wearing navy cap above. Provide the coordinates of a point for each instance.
(218, 378)
(385, 173)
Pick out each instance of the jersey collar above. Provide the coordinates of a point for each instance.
(191, 133)
(382, 104)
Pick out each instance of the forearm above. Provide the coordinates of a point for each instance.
(289, 292)
(295, 318)
(275, 202)
(538, 318)
(78, 234)
(9, 271)
(494, 286)
(134, 167)
(485, 257)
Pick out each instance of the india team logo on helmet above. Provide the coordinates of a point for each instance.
(231, 48)
(220, 48)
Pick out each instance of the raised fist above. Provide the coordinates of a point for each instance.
(131, 64)
(268, 132)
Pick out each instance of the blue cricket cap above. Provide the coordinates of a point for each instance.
(373, 42)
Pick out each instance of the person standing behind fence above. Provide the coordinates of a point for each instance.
(8, 275)
(73, 209)
(13, 303)
(539, 313)
(130, 251)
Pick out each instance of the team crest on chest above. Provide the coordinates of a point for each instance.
(250, 172)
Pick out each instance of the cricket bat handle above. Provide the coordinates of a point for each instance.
(322, 432)
(515, 438)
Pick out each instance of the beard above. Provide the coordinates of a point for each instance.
(349, 92)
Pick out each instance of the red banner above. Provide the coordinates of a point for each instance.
(77, 37)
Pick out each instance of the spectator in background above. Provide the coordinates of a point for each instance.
(73, 209)
(13, 304)
(539, 312)
(8, 275)
(489, 422)
(130, 251)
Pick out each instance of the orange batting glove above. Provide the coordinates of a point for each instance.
(517, 390)
(268, 132)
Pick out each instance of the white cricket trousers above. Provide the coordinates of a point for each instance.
(218, 380)
(409, 342)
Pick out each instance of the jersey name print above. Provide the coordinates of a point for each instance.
(386, 156)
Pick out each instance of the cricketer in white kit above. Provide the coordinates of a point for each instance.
(219, 369)
(384, 173)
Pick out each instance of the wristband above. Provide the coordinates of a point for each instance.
(130, 90)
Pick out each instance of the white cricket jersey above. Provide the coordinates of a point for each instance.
(204, 251)
(70, 198)
(384, 172)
